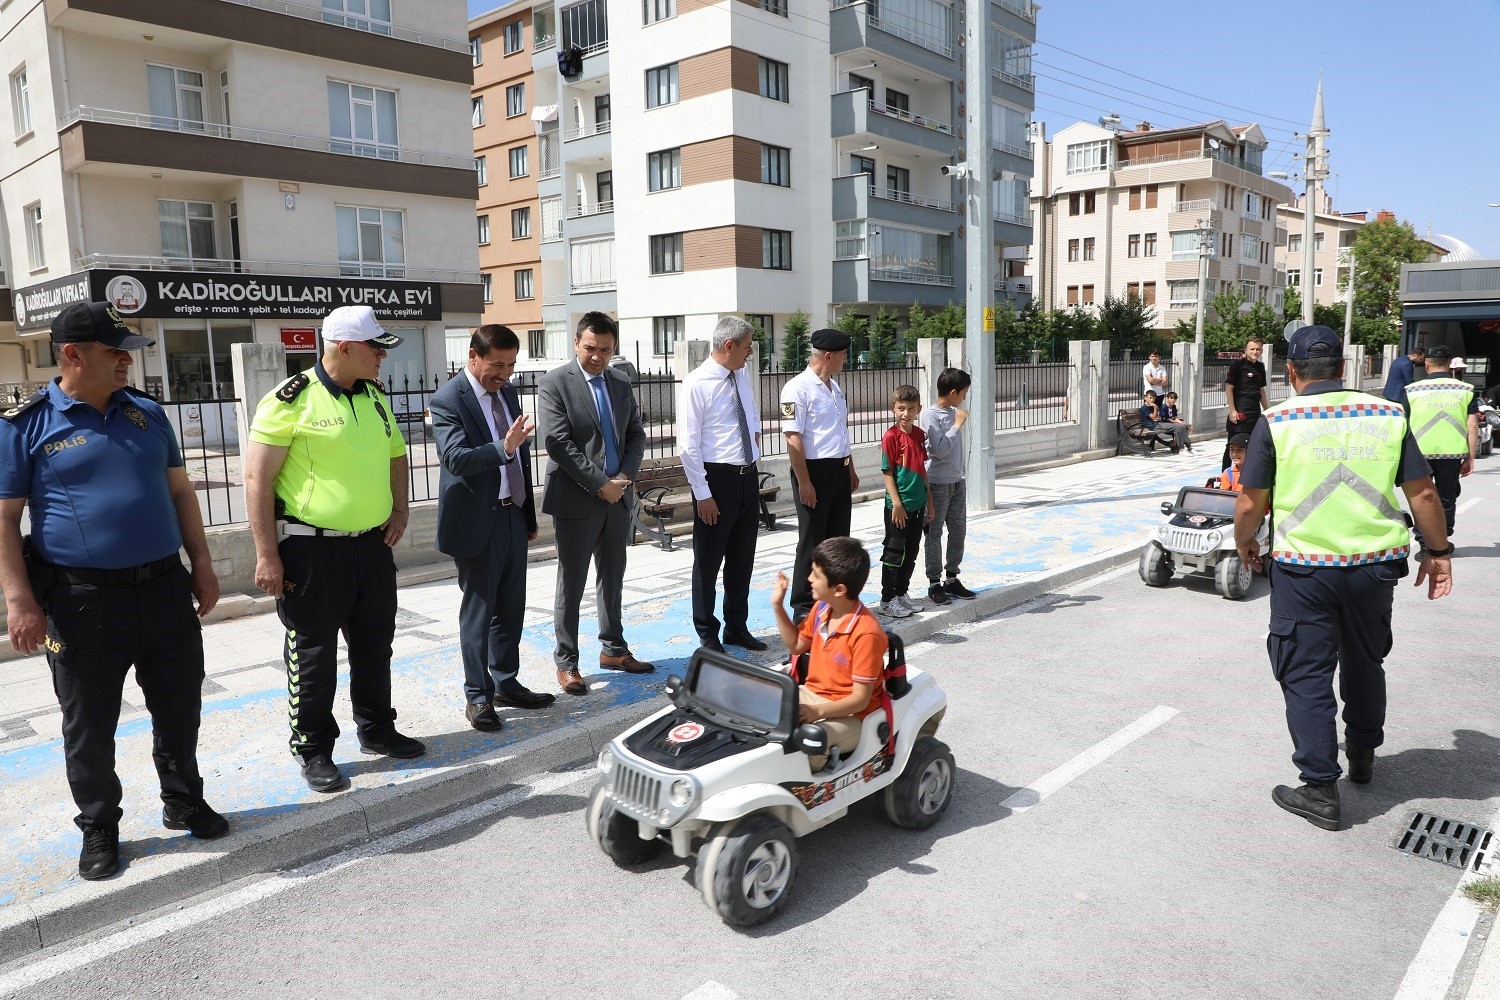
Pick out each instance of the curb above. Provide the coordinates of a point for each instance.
(323, 829)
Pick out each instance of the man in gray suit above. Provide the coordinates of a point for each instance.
(486, 518)
(591, 428)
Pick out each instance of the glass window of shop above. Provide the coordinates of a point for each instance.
(404, 372)
(196, 356)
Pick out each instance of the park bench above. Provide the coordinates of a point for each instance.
(1135, 437)
(661, 487)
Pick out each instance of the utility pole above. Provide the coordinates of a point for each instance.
(979, 259)
(1205, 251)
(1315, 169)
(1349, 299)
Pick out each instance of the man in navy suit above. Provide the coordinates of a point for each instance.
(591, 428)
(486, 518)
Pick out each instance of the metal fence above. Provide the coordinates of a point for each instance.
(1032, 395)
(208, 436)
(1126, 385)
(866, 390)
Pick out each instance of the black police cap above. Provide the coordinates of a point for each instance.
(830, 340)
(82, 322)
(1442, 352)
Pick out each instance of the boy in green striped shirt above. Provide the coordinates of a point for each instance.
(908, 502)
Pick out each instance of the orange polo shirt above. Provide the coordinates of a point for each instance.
(840, 657)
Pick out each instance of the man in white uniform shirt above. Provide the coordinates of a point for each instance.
(815, 420)
(720, 444)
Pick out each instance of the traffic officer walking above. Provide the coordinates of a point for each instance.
(815, 420)
(1443, 412)
(325, 488)
(1329, 459)
(99, 583)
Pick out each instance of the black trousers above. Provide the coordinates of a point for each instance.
(1337, 616)
(895, 581)
(1233, 427)
(829, 519)
(95, 634)
(729, 543)
(1447, 476)
(343, 585)
(493, 606)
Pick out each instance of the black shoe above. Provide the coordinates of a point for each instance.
(520, 697)
(392, 745)
(1361, 762)
(100, 857)
(713, 644)
(958, 590)
(323, 775)
(482, 717)
(937, 595)
(745, 641)
(1316, 803)
(196, 817)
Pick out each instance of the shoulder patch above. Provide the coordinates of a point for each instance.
(293, 387)
(375, 382)
(12, 412)
(789, 410)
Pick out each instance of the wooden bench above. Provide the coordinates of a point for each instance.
(1135, 437)
(662, 486)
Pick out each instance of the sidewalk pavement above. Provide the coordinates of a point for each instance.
(1050, 528)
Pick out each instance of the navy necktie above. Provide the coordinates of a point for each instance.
(606, 421)
(515, 476)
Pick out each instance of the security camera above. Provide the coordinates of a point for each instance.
(959, 170)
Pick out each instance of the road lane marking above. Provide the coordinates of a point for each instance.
(273, 885)
(1024, 798)
(712, 991)
(1466, 505)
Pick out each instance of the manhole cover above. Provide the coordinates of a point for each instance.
(1453, 842)
(946, 639)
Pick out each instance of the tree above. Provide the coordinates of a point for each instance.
(1127, 322)
(762, 345)
(1227, 328)
(794, 346)
(1075, 323)
(855, 327)
(1379, 251)
(883, 341)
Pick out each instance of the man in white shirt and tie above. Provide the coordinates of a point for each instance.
(720, 444)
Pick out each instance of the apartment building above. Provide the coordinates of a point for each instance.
(1334, 234)
(1122, 213)
(696, 161)
(229, 171)
(505, 152)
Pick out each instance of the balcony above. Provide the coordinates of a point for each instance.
(1188, 214)
(591, 220)
(1011, 228)
(855, 24)
(136, 262)
(100, 140)
(587, 142)
(1187, 270)
(549, 159)
(854, 114)
(1022, 8)
(854, 197)
(859, 280)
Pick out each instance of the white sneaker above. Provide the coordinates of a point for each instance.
(892, 609)
(913, 606)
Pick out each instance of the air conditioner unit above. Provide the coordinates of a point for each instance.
(1021, 286)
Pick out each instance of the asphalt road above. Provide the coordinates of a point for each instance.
(1154, 865)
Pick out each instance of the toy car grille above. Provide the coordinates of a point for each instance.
(635, 790)
(1183, 540)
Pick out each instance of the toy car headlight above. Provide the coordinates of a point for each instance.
(1163, 531)
(683, 792)
(606, 761)
(1214, 538)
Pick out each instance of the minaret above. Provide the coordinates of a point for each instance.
(1315, 169)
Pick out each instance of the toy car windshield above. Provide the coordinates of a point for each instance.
(753, 697)
(1215, 503)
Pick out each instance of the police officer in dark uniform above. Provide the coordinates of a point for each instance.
(99, 583)
(1329, 459)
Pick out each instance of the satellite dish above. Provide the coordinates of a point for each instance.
(1213, 144)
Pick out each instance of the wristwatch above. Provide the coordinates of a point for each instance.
(1444, 552)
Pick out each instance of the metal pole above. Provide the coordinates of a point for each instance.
(979, 261)
(1349, 301)
(1204, 249)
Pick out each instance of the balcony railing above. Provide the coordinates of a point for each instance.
(358, 23)
(891, 26)
(1022, 7)
(548, 154)
(910, 276)
(1204, 154)
(136, 262)
(602, 285)
(598, 208)
(915, 119)
(584, 131)
(1013, 150)
(293, 140)
(544, 42)
(906, 197)
(1023, 80)
(1196, 205)
(1002, 215)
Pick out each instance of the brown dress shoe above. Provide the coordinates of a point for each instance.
(572, 682)
(627, 663)
(482, 717)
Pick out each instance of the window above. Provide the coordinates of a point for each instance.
(372, 242)
(224, 94)
(897, 180)
(1087, 157)
(1072, 295)
(1148, 293)
(520, 223)
(366, 15)
(1252, 205)
(895, 100)
(857, 82)
(1185, 245)
(775, 165)
(1133, 245)
(36, 251)
(1135, 197)
(601, 112)
(1250, 248)
(666, 254)
(664, 170)
(1151, 190)
(592, 264)
(776, 250)
(362, 120)
(476, 50)
(481, 169)
(518, 162)
(1007, 125)
(1088, 203)
(1073, 251)
(552, 220)
(1294, 277)
(515, 100)
(484, 230)
(1088, 248)
(862, 165)
(661, 86)
(1226, 244)
(187, 229)
(1182, 293)
(1318, 242)
(176, 97)
(1075, 201)
(585, 25)
(773, 80)
(1317, 277)
(20, 102)
(850, 240)
(476, 112)
(657, 10)
(1088, 295)
(524, 288)
(1150, 250)
(536, 343)
(486, 282)
(513, 38)
(767, 324)
(604, 187)
(1294, 244)
(665, 331)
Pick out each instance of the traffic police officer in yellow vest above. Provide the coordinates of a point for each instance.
(1444, 415)
(326, 492)
(1329, 459)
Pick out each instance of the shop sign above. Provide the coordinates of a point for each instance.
(37, 305)
(201, 295)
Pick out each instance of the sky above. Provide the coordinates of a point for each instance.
(1403, 82)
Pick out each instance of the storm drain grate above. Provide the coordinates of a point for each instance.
(1450, 841)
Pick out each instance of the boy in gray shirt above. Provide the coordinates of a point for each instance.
(943, 423)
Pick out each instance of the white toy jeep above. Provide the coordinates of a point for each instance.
(724, 772)
(1198, 537)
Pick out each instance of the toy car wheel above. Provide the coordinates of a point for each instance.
(920, 796)
(616, 834)
(1155, 566)
(1233, 576)
(745, 873)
